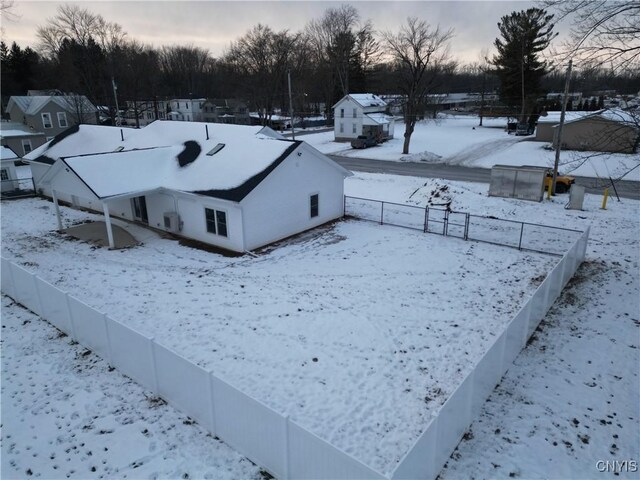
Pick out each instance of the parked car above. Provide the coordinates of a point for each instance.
(523, 129)
(363, 141)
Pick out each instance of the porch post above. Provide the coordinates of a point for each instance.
(57, 207)
(107, 221)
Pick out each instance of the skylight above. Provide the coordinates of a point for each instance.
(216, 149)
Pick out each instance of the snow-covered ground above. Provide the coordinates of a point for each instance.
(458, 140)
(401, 301)
(66, 414)
(363, 369)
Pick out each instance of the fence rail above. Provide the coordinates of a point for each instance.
(270, 439)
(443, 221)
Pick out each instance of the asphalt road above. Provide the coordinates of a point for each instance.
(625, 188)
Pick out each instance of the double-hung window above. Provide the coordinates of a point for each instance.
(355, 113)
(4, 175)
(62, 120)
(46, 120)
(26, 146)
(342, 113)
(216, 221)
(314, 206)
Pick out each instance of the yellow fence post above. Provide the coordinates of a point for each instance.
(604, 199)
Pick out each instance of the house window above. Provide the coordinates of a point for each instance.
(354, 113)
(26, 146)
(216, 221)
(342, 113)
(46, 120)
(354, 128)
(4, 175)
(313, 205)
(62, 120)
(341, 127)
(186, 105)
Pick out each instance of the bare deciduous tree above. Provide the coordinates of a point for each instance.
(419, 53)
(603, 33)
(261, 58)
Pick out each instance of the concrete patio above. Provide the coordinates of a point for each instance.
(96, 233)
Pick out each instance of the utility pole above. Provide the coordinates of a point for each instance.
(558, 145)
(115, 95)
(293, 132)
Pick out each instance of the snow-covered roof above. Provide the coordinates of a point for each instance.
(31, 105)
(554, 117)
(368, 100)
(170, 155)
(612, 114)
(7, 154)
(376, 119)
(15, 129)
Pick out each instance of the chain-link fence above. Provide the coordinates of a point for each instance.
(443, 221)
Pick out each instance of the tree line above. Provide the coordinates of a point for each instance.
(339, 53)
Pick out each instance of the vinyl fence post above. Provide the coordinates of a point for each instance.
(521, 233)
(73, 326)
(213, 403)
(287, 445)
(38, 296)
(382, 213)
(152, 354)
(108, 337)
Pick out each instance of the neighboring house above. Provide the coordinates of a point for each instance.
(226, 111)
(362, 114)
(20, 138)
(8, 174)
(146, 111)
(615, 131)
(546, 122)
(51, 114)
(236, 187)
(186, 109)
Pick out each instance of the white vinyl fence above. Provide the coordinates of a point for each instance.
(433, 448)
(271, 440)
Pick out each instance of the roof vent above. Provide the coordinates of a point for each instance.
(119, 149)
(216, 149)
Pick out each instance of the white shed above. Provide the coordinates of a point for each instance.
(362, 114)
(232, 186)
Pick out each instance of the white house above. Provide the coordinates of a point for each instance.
(362, 114)
(186, 109)
(8, 174)
(236, 187)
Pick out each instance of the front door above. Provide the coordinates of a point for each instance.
(140, 209)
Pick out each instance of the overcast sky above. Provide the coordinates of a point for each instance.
(213, 24)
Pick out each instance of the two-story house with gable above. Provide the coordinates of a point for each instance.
(186, 109)
(51, 114)
(362, 114)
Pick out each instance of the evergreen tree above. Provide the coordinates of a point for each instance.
(600, 102)
(570, 105)
(593, 106)
(524, 35)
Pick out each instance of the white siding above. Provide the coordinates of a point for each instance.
(349, 107)
(279, 206)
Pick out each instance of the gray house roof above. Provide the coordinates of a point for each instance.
(31, 105)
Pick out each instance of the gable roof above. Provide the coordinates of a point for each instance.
(613, 115)
(365, 100)
(32, 104)
(7, 154)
